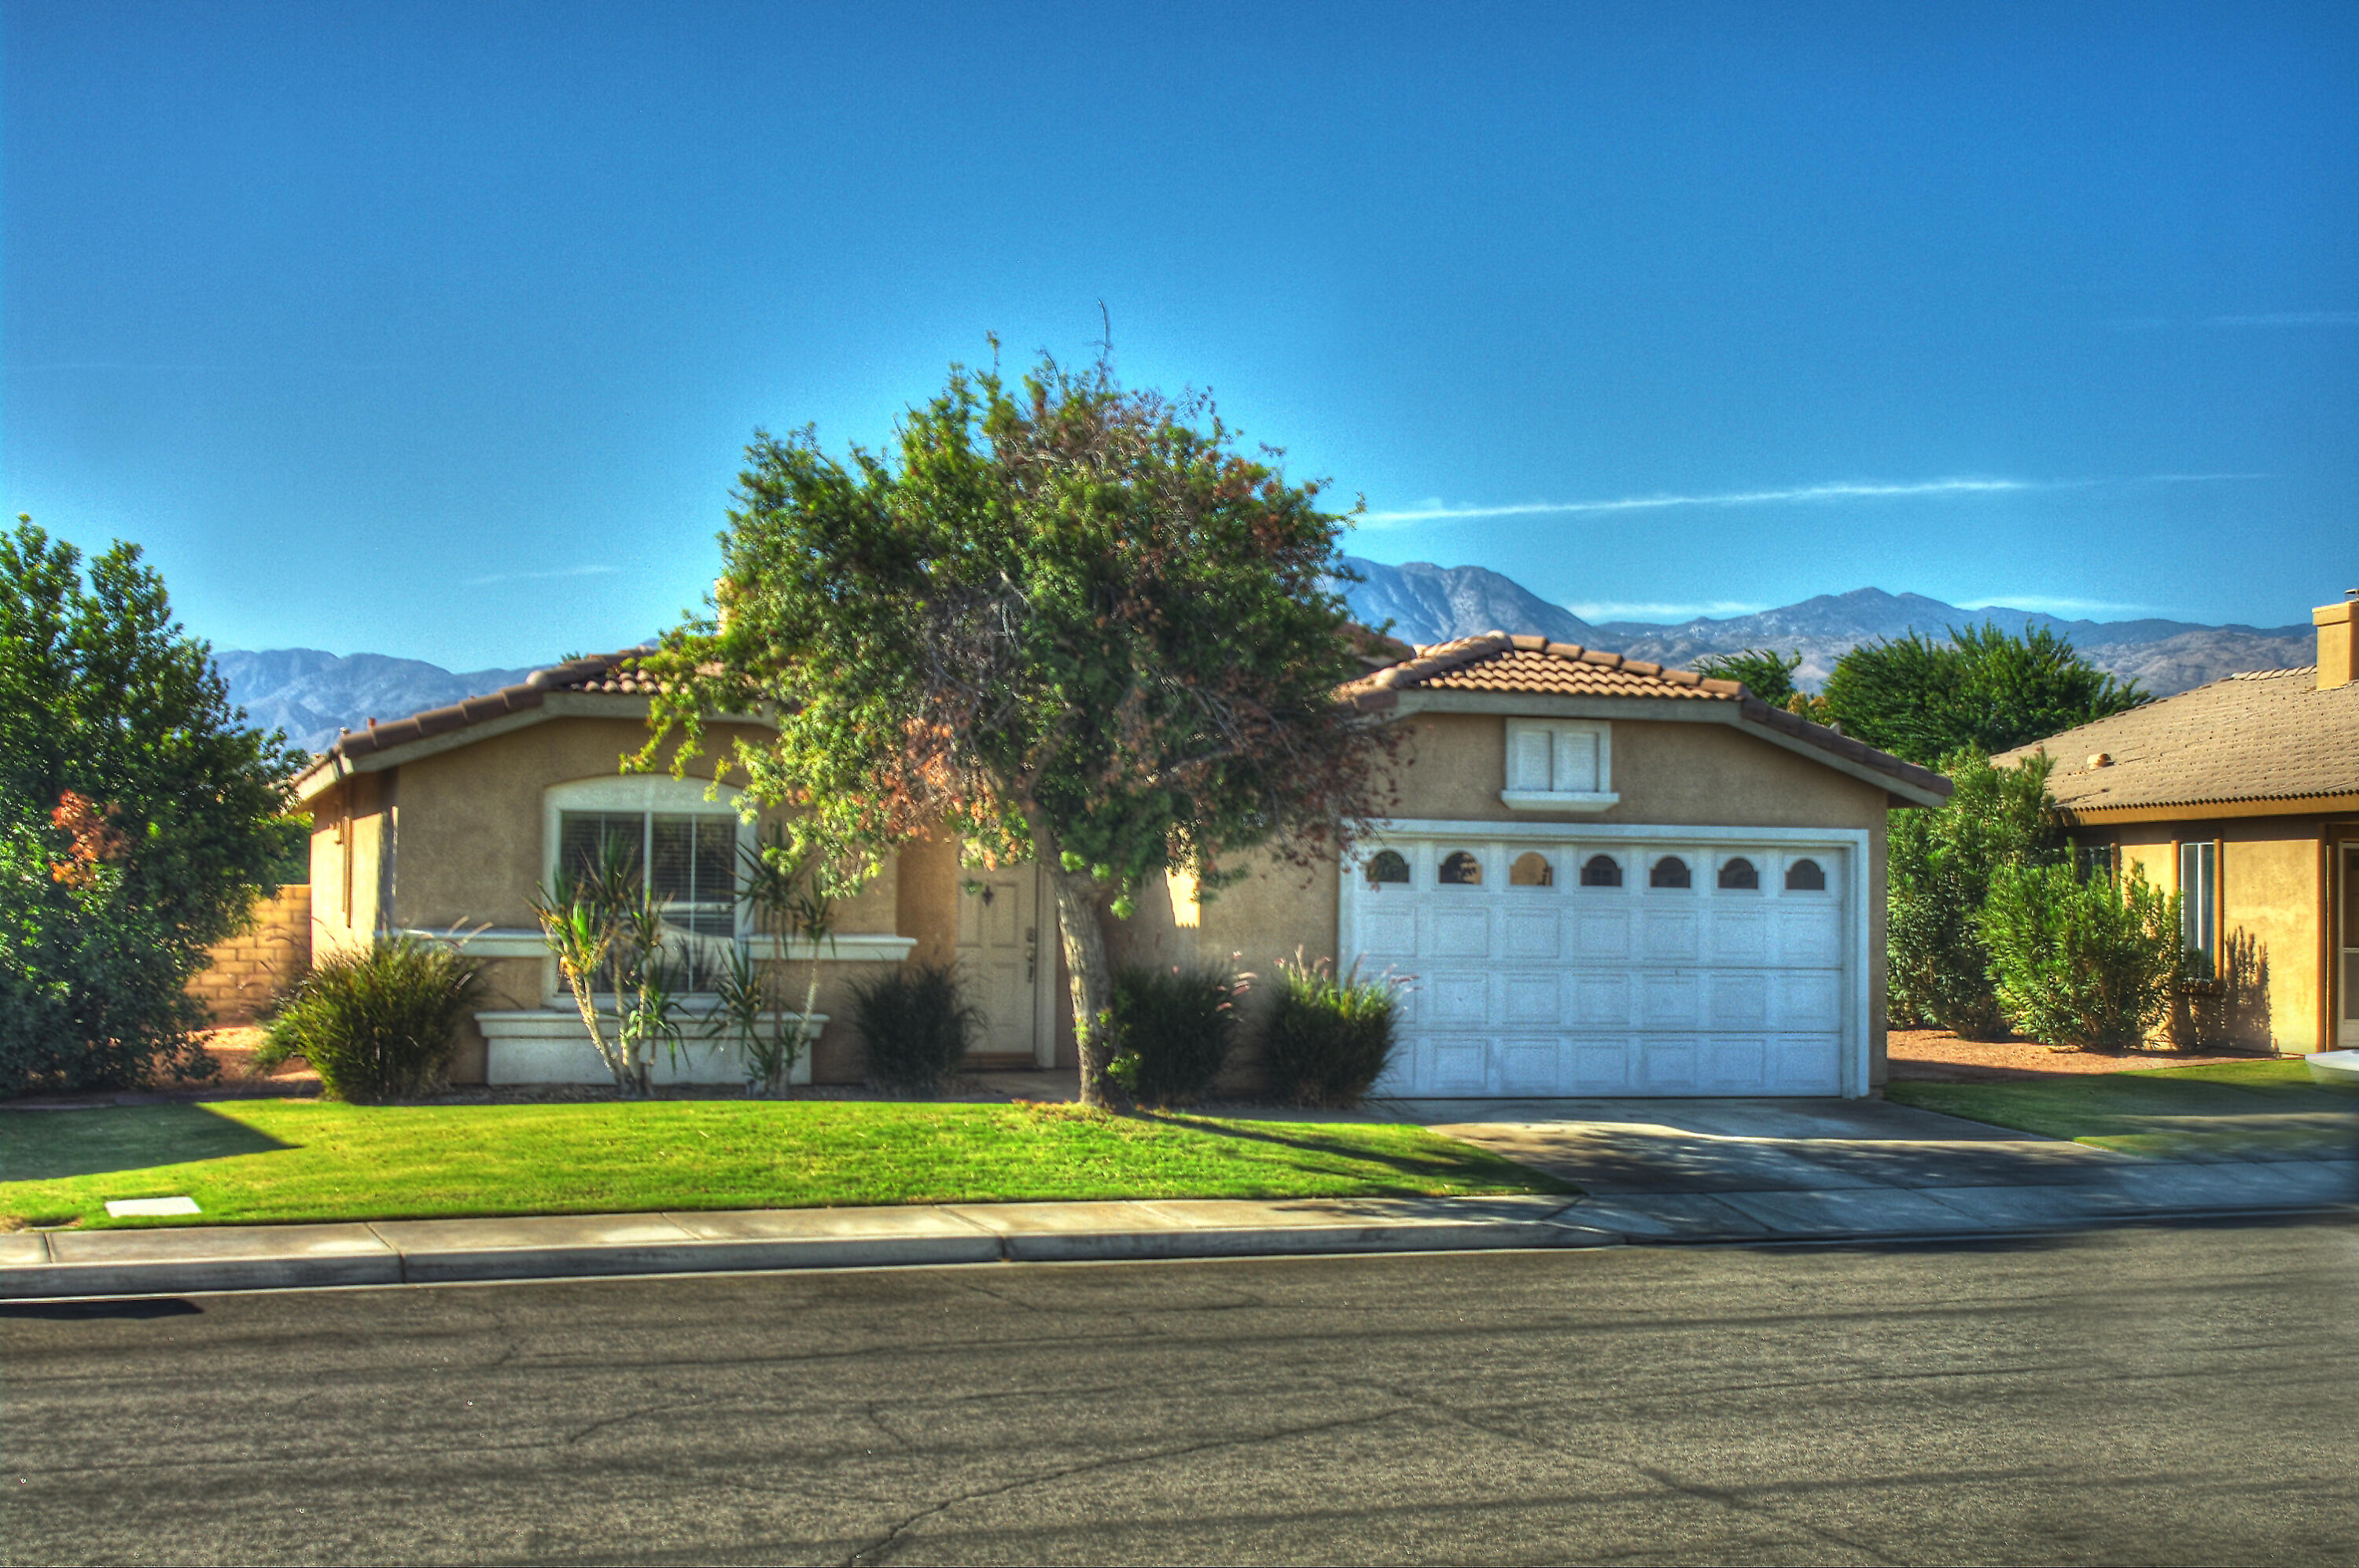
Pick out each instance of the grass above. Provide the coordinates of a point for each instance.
(2267, 1109)
(255, 1162)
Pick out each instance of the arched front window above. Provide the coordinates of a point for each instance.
(1806, 876)
(1669, 872)
(1386, 866)
(1737, 873)
(1531, 869)
(1462, 870)
(1601, 871)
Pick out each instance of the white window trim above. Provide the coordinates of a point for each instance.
(635, 793)
(1595, 800)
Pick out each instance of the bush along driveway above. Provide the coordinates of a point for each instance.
(2260, 1110)
(253, 1161)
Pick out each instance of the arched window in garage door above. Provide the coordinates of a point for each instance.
(1531, 869)
(1388, 865)
(1460, 869)
(1669, 872)
(1601, 871)
(1806, 876)
(1737, 875)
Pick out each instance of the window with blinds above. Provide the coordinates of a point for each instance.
(686, 862)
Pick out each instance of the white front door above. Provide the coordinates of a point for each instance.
(999, 957)
(1591, 964)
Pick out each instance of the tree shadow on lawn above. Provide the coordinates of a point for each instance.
(51, 1146)
(1474, 1163)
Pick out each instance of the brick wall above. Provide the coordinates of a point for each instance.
(247, 970)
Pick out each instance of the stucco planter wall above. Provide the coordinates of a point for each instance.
(547, 1045)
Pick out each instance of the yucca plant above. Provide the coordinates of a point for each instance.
(790, 900)
(376, 1024)
(603, 926)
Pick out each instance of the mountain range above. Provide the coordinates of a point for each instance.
(312, 694)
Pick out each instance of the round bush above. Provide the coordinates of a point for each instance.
(1176, 1027)
(914, 1025)
(1329, 1039)
(379, 1024)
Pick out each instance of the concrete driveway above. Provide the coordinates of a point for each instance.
(1735, 1166)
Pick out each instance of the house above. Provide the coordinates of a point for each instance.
(1606, 877)
(2244, 797)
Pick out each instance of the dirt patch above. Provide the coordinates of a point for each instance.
(1937, 1056)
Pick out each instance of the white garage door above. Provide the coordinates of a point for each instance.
(1595, 966)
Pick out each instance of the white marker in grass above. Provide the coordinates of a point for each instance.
(124, 1208)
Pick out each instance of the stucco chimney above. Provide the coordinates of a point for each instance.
(2335, 650)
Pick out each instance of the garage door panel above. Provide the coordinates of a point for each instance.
(1460, 933)
(1388, 931)
(1532, 998)
(1740, 998)
(1530, 933)
(1672, 934)
(1809, 999)
(1531, 1066)
(1456, 999)
(1810, 935)
(1600, 1000)
(1600, 1066)
(1807, 1064)
(1600, 934)
(1740, 936)
(1666, 1064)
(1668, 999)
(1455, 1064)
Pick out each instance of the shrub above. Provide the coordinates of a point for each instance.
(914, 1024)
(2091, 962)
(376, 1024)
(1330, 1037)
(1175, 1027)
(136, 819)
(1940, 865)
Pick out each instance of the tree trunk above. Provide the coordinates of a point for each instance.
(1086, 965)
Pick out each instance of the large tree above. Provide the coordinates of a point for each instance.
(1984, 691)
(137, 818)
(1070, 622)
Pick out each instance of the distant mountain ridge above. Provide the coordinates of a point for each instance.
(1430, 604)
(312, 694)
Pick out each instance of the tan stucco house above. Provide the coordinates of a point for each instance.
(2243, 796)
(1606, 877)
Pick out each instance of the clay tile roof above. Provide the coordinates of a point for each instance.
(599, 672)
(1527, 666)
(2266, 735)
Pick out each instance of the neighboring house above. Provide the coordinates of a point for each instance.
(2243, 796)
(1605, 878)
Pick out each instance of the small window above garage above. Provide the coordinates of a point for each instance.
(1559, 765)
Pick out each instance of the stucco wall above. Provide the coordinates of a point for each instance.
(455, 841)
(245, 972)
(1671, 772)
(2272, 903)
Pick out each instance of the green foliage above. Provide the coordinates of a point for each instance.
(136, 819)
(790, 900)
(2080, 961)
(290, 851)
(1984, 690)
(1176, 1028)
(1768, 675)
(1939, 866)
(607, 934)
(1073, 621)
(1331, 1036)
(915, 1024)
(380, 1023)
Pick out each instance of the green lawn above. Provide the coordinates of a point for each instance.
(248, 1161)
(2238, 1110)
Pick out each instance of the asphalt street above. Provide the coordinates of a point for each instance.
(2161, 1395)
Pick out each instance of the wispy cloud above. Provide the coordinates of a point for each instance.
(1436, 512)
(2289, 319)
(2049, 604)
(1656, 610)
(541, 576)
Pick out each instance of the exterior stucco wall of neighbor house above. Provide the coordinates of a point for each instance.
(2273, 904)
(350, 861)
(467, 849)
(1666, 772)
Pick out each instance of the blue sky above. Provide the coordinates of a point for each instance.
(438, 331)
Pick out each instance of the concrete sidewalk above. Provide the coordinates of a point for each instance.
(172, 1259)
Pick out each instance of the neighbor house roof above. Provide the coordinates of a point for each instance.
(1495, 662)
(2268, 735)
(597, 673)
